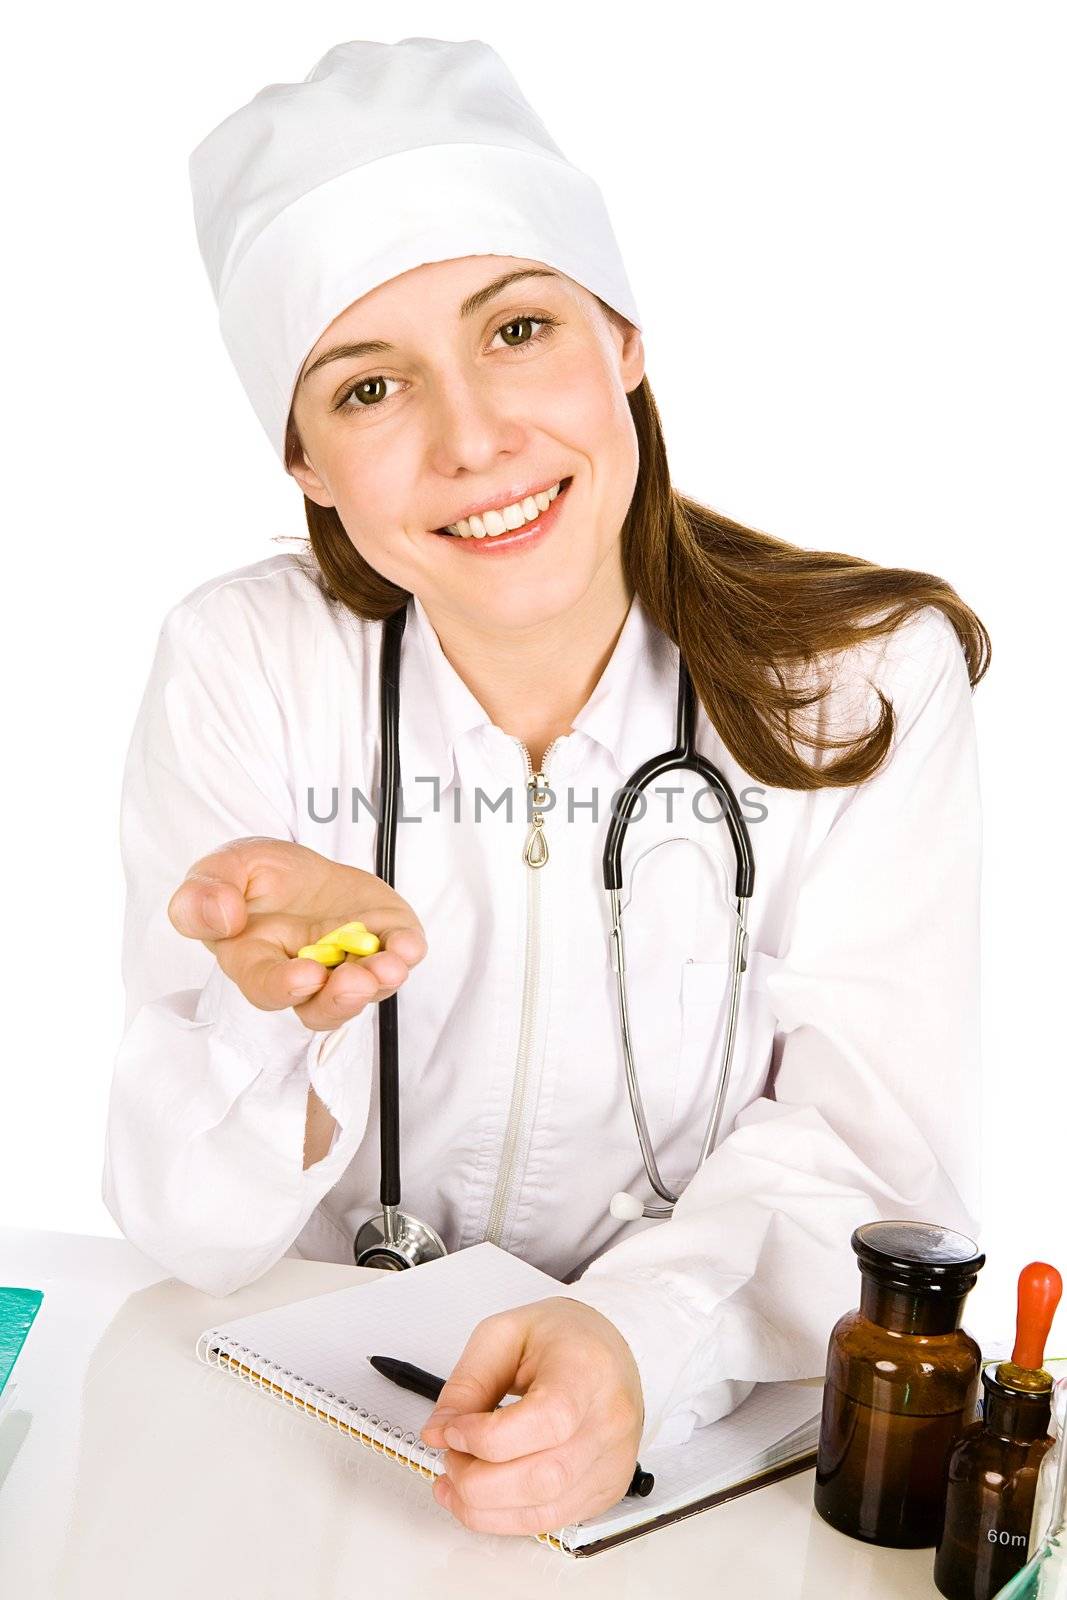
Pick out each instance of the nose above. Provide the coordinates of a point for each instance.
(472, 424)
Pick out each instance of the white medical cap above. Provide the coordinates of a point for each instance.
(385, 156)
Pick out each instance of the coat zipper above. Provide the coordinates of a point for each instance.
(520, 1113)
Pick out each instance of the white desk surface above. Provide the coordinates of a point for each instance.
(129, 1469)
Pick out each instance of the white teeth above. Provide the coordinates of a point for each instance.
(492, 523)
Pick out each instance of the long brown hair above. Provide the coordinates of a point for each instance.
(746, 610)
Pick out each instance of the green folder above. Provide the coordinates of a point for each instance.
(18, 1307)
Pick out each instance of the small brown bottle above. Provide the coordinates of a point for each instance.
(992, 1471)
(901, 1385)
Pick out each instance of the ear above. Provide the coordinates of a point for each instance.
(632, 357)
(630, 347)
(309, 480)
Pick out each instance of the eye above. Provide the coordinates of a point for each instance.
(366, 402)
(546, 324)
(370, 392)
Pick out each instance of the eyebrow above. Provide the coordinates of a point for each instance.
(473, 304)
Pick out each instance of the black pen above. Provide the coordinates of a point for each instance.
(405, 1376)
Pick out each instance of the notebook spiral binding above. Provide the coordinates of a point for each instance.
(372, 1431)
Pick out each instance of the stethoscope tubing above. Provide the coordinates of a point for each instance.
(684, 757)
(385, 869)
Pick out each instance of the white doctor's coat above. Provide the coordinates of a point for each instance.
(854, 1085)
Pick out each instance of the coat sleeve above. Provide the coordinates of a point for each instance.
(203, 1166)
(871, 1107)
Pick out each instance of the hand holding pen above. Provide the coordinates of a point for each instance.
(566, 1451)
(405, 1376)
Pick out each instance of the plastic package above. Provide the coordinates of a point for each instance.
(1044, 1500)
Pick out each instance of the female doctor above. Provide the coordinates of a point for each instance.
(425, 303)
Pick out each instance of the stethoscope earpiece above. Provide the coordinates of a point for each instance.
(626, 1208)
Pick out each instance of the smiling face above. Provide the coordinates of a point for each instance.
(472, 399)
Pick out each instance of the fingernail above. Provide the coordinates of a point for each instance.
(215, 914)
(453, 1439)
(441, 1415)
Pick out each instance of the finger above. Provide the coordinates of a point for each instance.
(397, 933)
(402, 946)
(485, 1372)
(408, 943)
(541, 1478)
(548, 1415)
(266, 974)
(347, 991)
(256, 868)
(350, 986)
(596, 1492)
(205, 906)
(389, 965)
(264, 963)
(212, 901)
(494, 1363)
(388, 969)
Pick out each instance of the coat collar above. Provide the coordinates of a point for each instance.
(630, 713)
(436, 711)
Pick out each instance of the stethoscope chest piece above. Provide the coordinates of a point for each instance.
(407, 1242)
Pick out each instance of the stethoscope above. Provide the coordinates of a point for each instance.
(394, 1239)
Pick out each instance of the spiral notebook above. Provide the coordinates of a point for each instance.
(313, 1356)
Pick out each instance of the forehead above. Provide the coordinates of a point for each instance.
(462, 285)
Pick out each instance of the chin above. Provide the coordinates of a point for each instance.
(524, 603)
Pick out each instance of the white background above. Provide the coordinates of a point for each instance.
(840, 222)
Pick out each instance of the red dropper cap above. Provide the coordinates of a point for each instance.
(1040, 1288)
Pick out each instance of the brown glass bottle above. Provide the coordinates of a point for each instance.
(901, 1385)
(993, 1467)
(992, 1477)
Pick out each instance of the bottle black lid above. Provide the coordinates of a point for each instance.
(920, 1256)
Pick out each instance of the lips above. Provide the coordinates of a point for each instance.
(513, 543)
(564, 485)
